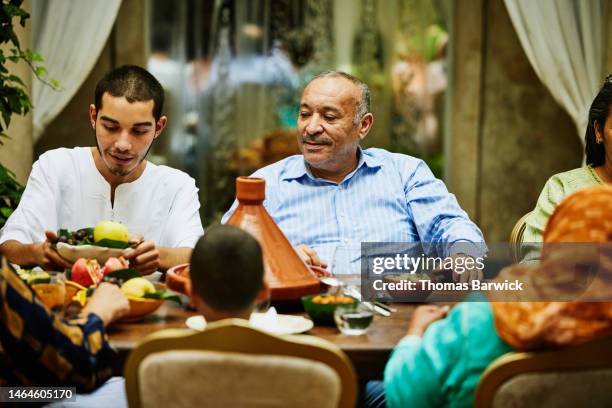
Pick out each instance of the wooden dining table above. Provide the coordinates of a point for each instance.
(369, 352)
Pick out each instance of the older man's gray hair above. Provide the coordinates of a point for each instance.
(363, 105)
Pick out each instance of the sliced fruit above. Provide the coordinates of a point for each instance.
(81, 297)
(86, 272)
(114, 264)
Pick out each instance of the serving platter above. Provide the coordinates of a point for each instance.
(73, 252)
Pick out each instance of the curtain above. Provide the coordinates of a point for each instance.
(563, 40)
(70, 35)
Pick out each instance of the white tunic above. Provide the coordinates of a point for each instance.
(66, 190)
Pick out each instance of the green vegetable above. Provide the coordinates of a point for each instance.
(110, 243)
(37, 280)
(122, 275)
(164, 294)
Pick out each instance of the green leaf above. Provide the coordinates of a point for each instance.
(123, 275)
(164, 294)
(15, 78)
(34, 281)
(6, 212)
(40, 71)
(111, 243)
(36, 57)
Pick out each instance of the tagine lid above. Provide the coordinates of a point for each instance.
(286, 273)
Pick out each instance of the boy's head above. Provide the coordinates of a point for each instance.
(227, 273)
(135, 84)
(126, 117)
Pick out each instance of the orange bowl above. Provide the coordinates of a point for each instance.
(178, 279)
(140, 307)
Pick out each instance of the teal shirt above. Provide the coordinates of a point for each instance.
(442, 369)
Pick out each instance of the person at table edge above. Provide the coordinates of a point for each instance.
(337, 193)
(42, 349)
(76, 188)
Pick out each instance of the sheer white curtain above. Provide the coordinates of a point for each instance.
(563, 40)
(70, 36)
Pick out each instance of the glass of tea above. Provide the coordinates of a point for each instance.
(353, 320)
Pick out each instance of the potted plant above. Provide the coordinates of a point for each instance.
(13, 97)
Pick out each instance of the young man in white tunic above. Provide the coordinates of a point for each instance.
(77, 188)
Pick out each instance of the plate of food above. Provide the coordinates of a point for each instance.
(400, 291)
(270, 322)
(144, 296)
(107, 239)
(321, 307)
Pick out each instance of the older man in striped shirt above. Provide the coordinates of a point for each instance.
(336, 195)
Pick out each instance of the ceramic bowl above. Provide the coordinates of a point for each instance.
(321, 313)
(73, 252)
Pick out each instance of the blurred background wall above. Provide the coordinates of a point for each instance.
(126, 45)
(506, 134)
(501, 135)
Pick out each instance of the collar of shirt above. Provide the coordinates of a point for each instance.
(298, 168)
(103, 186)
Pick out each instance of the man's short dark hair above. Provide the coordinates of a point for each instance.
(134, 83)
(227, 269)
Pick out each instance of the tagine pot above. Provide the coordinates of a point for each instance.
(287, 275)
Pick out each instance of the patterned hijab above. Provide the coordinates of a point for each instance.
(585, 216)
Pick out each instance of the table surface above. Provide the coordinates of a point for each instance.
(369, 352)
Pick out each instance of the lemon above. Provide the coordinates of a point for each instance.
(110, 230)
(81, 297)
(137, 287)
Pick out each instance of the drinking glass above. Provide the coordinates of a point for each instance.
(346, 259)
(353, 320)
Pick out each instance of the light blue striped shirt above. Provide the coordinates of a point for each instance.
(389, 197)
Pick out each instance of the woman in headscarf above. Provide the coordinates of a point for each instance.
(440, 361)
(581, 272)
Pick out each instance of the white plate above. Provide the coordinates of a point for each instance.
(73, 252)
(284, 324)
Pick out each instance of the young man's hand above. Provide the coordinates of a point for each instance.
(424, 316)
(108, 302)
(144, 258)
(47, 257)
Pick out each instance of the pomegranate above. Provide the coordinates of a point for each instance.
(86, 272)
(114, 264)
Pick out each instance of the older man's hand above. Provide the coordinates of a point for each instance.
(309, 256)
(466, 268)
